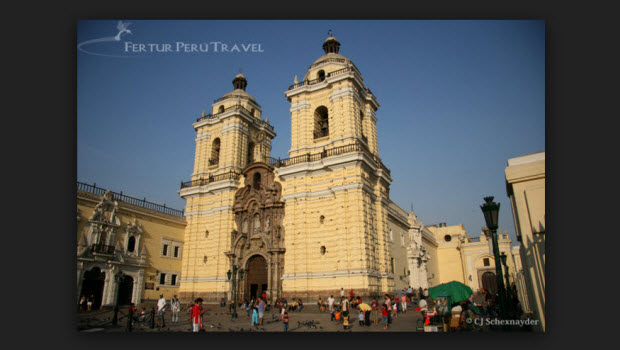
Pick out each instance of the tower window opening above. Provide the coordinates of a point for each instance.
(321, 75)
(321, 122)
(362, 127)
(250, 156)
(256, 182)
(215, 152)
(221, 109)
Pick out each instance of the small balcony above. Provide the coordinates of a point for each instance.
(102, 249)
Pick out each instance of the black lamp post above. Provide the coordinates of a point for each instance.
(508, 292)
(118, 278)
(490, 210)
(235, 280)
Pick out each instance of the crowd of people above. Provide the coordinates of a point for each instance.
(378, 311)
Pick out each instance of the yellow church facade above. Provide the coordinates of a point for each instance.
(308, 225)
(313, 223)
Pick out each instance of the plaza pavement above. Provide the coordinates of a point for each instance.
(218, 319)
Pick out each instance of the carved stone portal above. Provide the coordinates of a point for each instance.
(259, 203)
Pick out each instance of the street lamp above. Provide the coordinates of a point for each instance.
(235, 279)
(118, 278)
(508, 292)
(490, 210)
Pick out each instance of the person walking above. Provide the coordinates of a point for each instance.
(351, 293)
(375, 311)
(388, 304)
(175, 306)
(285, 321)
(131, 314)
(161, 309)
(395, 310)
(344, 304)
(342, 292)
(397, 303)
(254, 316)
(196, 314)
(330, 301)
(261, 310)
(403, 305)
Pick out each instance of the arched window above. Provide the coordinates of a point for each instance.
(256, 181)
(215, 152)
(131, 245)
(253, 112)
(250, 157)
(221, 109)
(321, 122)
(321, 75)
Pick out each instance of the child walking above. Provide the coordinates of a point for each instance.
(361, 318)
(345, 322)
(285, 321)
(385, 314)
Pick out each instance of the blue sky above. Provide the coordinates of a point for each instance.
(458, 98)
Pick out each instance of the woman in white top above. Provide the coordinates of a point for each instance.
(175, 305)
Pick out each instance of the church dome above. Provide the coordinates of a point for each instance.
(239, 83)
(332, 58)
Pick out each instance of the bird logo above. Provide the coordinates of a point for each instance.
(122, 28)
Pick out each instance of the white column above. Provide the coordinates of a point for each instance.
(414, 279)
(138, 286)
(108, 288)
(424, 275)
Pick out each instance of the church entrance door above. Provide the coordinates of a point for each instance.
(257, 277)
(489, 282)
(93, 286)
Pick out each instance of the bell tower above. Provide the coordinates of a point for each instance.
(233, 135)
(228, 139)
(335, 186)
(331, 107)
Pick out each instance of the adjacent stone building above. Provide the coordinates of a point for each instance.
(525, 186)
(126, 247)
